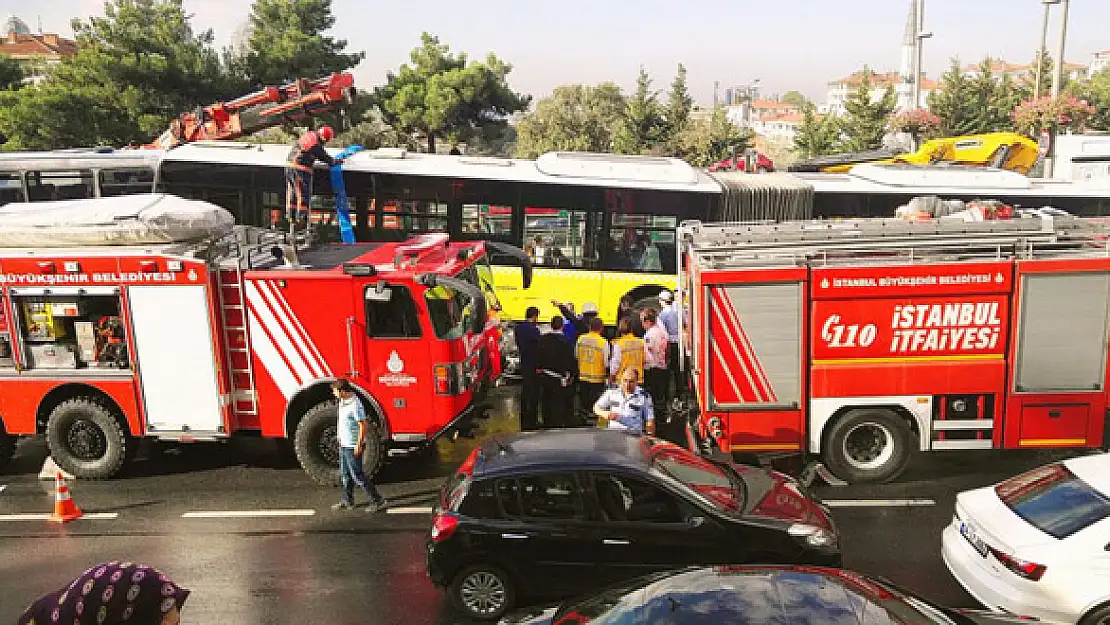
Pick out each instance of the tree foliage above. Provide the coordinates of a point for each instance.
(993, 100)
(1096, 92)
(865, 124)
(643, 127)
(707, 141)
(12, 73)
(440, 94)
(817, 135)
(679, 104)
(137, 67)
(1065, 112)
(795, 99)
(288, 41)
(953, 103)
(576, 118)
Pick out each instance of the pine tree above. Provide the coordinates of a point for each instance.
(864, 127)
(643, 127)
(952, 102)
(817, 136)
(679, 104)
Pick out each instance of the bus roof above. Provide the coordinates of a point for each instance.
(564, 168)
(913, 180)
(80, 158)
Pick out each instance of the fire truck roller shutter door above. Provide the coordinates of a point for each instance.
(316, 442)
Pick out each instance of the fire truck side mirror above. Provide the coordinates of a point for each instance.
(379, 293)
(520, 255)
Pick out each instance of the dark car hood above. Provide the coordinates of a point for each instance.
(773, 495)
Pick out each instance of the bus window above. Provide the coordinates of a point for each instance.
(414, 216)
(46, 186)
(11, 188)
(126, 181)
(642, 243)
(487, 220)
(556, 237)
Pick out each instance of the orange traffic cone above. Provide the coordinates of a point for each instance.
(65, 510)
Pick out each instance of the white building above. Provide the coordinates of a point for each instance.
(1024, 73)
(781, 127)
(1099, 62)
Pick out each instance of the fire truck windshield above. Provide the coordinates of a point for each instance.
(449, 310)
(480, 274)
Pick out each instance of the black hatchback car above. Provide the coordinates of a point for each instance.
(548, 515)
(755, 595)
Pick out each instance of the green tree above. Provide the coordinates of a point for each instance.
(137, 67)
(817, 135)
(707, 141)
(644, 126)
(953, 102)
(679, 105)
(1044, 60)
(796, 99)
(864, 126)
(574, 118)
(441, 94)
(287, 42)
(1096, 92)
(992, 100)
(12, 73)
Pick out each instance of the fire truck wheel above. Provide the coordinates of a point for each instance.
(86, 439)
(868, 446)
(317, 447)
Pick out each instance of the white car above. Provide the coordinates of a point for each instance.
(1037, 544)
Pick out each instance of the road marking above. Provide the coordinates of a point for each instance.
(410, 510)
(879, 503)
(245, 514)
(91, 516)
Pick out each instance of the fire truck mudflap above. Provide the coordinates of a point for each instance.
(867, 341)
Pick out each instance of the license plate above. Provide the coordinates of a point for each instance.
(967, 532)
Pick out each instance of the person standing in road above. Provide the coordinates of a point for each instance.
(627, 352)
(592, 351)
(656, 378)
(352, 428)
(527, 335)
(557, 369)
(668, 318)
(626, 407)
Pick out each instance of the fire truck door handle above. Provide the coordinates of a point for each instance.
(515, 536)
(351, 347)
(1053, 414)
(616, 541)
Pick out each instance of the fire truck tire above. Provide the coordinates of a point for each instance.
(868, 446)
(86, 439)
(318, 450)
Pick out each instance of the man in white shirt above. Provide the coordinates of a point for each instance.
(656, 377)
(626, 407)
(668, 318)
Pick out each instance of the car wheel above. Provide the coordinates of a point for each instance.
(86, 439)
(1098, 616)
(483, 592)
(868, 446)
(317, 446)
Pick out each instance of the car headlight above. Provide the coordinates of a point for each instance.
(813, 536)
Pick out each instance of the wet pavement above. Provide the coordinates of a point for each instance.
(257, 542)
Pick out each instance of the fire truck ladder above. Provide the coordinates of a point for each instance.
(233, 312)
(892, 240)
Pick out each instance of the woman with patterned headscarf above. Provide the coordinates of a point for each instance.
(114, 593)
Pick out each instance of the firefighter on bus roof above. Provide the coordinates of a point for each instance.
(298, 171)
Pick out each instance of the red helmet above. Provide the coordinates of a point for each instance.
(326, 133)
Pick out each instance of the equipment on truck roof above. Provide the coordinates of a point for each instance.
(1003, 150)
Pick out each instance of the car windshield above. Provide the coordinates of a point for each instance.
(710, 481)
(1053, 500)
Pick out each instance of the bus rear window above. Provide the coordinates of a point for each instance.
(1053, 500)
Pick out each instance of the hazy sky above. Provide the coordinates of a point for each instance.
(788, 44)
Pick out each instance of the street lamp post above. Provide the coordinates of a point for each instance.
(1058, 78)
(1043, 50)
(920, 36)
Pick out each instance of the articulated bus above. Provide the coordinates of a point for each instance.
(598, 227)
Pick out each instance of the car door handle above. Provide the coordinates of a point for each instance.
(515, 536)
(616, 541)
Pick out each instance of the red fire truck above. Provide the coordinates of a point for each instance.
(104, 345)
(864, 341)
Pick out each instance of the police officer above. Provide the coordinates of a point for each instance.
(556, 370)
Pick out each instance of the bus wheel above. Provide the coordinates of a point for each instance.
(868, 446)
(86, 439)
(316, 443)
(7, 447)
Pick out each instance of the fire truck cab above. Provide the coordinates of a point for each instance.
(865, 341)
(104, 345)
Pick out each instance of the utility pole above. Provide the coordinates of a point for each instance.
(1043, 50)
(1058, 78)
(917, 46)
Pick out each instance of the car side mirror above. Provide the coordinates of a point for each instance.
(695, 521)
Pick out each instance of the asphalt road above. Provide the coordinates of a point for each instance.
(257, 542)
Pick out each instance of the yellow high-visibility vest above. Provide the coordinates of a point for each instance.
(592, 365)
(632, 354)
